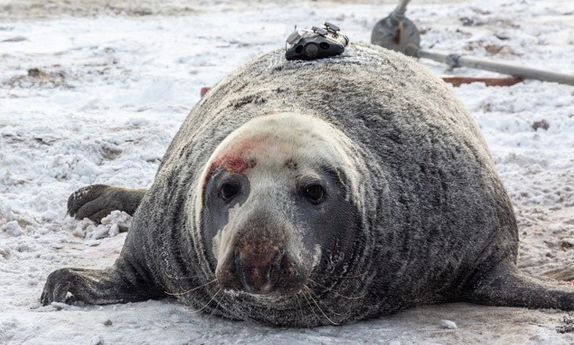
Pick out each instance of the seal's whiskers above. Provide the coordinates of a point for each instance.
(300, 307)
(331, 290)
(307, 294)
(208, 303)
(190, 290)
(304, 293)
(172, 277)
(360, 275)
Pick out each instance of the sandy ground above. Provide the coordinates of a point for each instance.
(93, 91)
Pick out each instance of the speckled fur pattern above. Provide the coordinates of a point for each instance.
(434, 223)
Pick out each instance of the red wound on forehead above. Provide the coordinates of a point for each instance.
(231, 159)
(231, 163)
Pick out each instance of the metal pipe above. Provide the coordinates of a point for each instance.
(456, 60)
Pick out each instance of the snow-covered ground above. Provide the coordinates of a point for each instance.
(92, 92)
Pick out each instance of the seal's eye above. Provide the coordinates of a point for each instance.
(314, 193)
(228, 191)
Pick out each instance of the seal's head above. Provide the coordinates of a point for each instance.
(276, 200)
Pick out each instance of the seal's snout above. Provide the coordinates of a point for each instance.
(259, 272)
(260, 265)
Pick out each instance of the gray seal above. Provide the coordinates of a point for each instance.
(307, 193)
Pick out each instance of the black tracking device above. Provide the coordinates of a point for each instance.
(316, 43)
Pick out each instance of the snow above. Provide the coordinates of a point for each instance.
(93, 93)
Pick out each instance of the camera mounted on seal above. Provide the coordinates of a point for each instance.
(317, 43)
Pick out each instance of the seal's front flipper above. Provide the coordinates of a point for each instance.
(506, 286)
(97, 201)
(97, 286)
